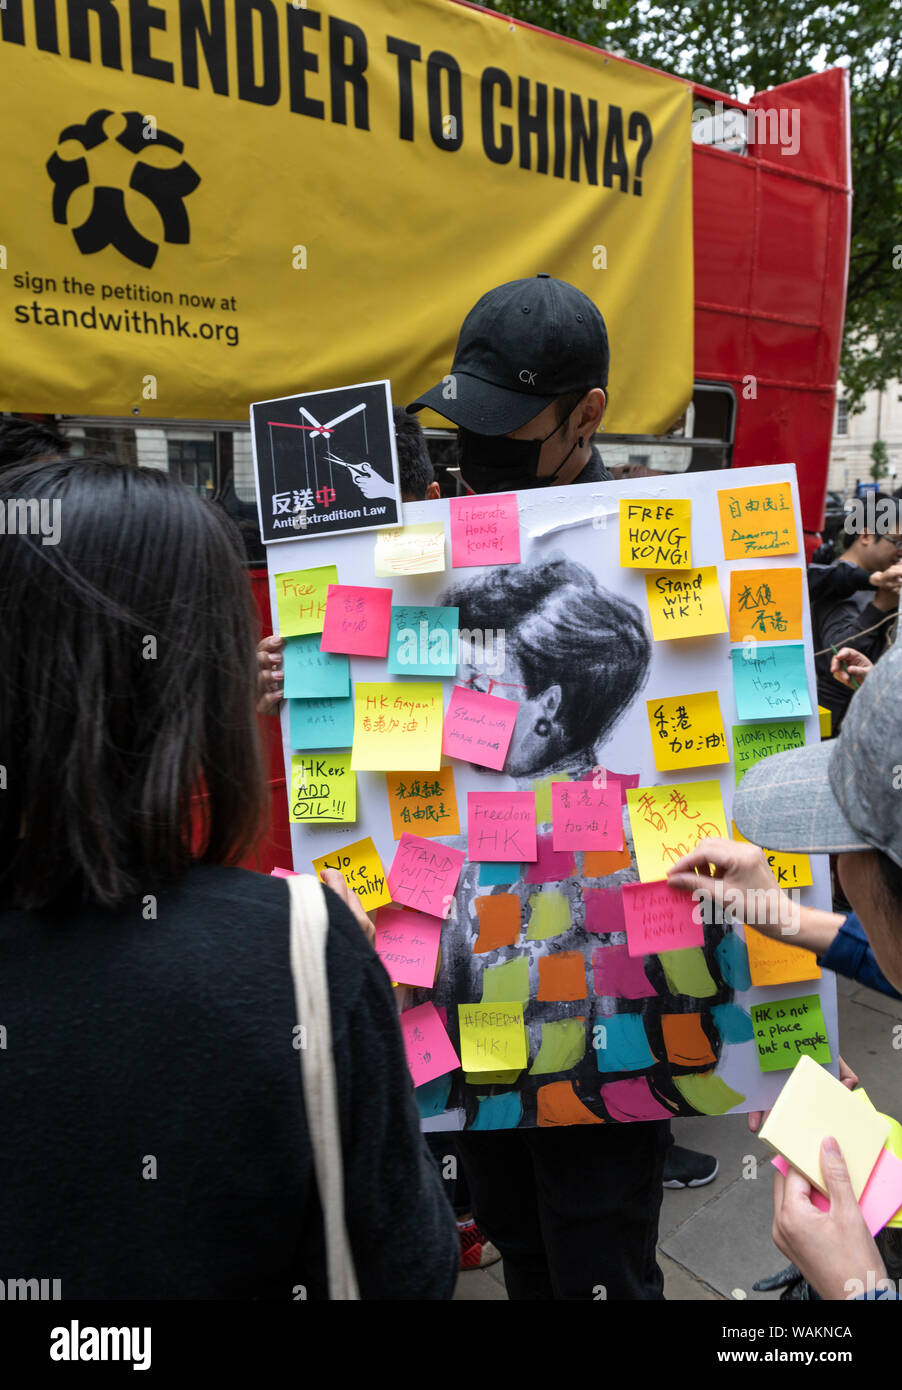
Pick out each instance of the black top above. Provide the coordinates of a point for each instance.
(153, 1141)
(837, 623)
(594, 471)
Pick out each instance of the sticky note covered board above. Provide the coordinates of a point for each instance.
(584, 816)
(478, 727)
(757, 521)
(655, 535)
(814, 1105)
(790, 870)
(410, 550)
(775, 961)
(688, 604)
(424, 874)
(430, 1052)
(397, 726)
(422, 641)
(669, 821)
(766, 604)
(323, 788)
(356, 620)
(787, 1029)
(752, 742)
(687, 731)
(407, 944)
(301, 599)
(485, 530)
(423, 803)
(660, 918)
(362, 868)
(492, 1037)
(770, 682)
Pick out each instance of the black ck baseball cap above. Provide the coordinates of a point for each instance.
(520, 347)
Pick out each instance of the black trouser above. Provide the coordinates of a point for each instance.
(574, 1210)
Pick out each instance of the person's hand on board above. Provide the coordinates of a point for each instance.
(270, 674)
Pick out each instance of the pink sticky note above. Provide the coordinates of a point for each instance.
(618, 974)
(478, 727)
(659, 918)
(357, 620)
(632, 1100)
(407, 944)
(882, 1195)
(604, 910)
(429, 1049)
(424, 874)
(551, 864)
(586, 817)
(282, 873)
(485, 530)
(502, 826)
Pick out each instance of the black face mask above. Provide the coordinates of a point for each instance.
(494, 463)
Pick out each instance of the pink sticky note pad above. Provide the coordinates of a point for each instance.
(485, 530)
(586, 817)
(407, 944)
(882, 1195)
(429, 1049)
(282, 873)
(424, 874)
(478, 727)
(357, 620)
(659, 918)
(502, 826)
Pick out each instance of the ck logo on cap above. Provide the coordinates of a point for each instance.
(528, 376)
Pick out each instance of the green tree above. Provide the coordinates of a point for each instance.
(745, 44)
(880, 466)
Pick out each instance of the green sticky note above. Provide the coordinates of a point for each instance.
(549, 915)
(301, 601)
(789, 1029)
(542, 789)
(708, 1094)
(563, 1045)
(507, 981)
(687, 972)
(492, 1038)
(752, 742)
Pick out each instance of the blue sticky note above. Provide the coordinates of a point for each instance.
(733, 959)
(432, 1096)
(423, 641)
(321, 723)
(494, 871)
(622, 1046)
(498, 1112)
(770, 682)
(733, 1023)
(312, 674)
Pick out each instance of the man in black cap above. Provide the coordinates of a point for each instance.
(572, 1209)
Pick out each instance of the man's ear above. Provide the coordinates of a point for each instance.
(588, 414)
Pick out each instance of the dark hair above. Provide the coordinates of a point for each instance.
(21, 440)
(128, 727)
(568, 631)
(414, 466)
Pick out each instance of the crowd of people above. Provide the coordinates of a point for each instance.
(155, 1142)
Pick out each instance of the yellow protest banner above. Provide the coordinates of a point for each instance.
(669, 821)
(687, 731)
(180, 243)
(655, 535)
(397, 726)
(688, 604)
(757, 521)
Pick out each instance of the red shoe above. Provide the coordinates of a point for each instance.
(475, 1251)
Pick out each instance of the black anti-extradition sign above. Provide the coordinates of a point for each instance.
(326, 462)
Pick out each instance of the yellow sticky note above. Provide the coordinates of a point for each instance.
(790, 870)
(766, 604)
(323, 788)
(301, 599)
(397, 726)
(757, 521)
(813, 1105)
(669, 821)
(688, 604)
(773, 961)
(410, 550)
(492, 1037)
(825, 721)
(655, 535)
(362, 867)
(687, 731)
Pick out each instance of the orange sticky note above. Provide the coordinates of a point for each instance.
(598, 863)
(562, 976)
(766, 605)
(685, 1039)
(687, 731)
(500, 918)
(776, 962)
(425, 803)
(757, 521)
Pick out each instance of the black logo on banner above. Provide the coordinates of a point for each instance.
(107, 222)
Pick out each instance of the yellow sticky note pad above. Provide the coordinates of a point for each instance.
(410, 550)
(773, 961)
(323, 789)
(362, 867)
(757, 521)
(766, 604)
(687, 731)
(825, 721)
(688, 604)
(813, 1105)
(397, 726)
(492, 1037)
(655, 535)
(301, 599)
(669, 821)
(790, 870)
